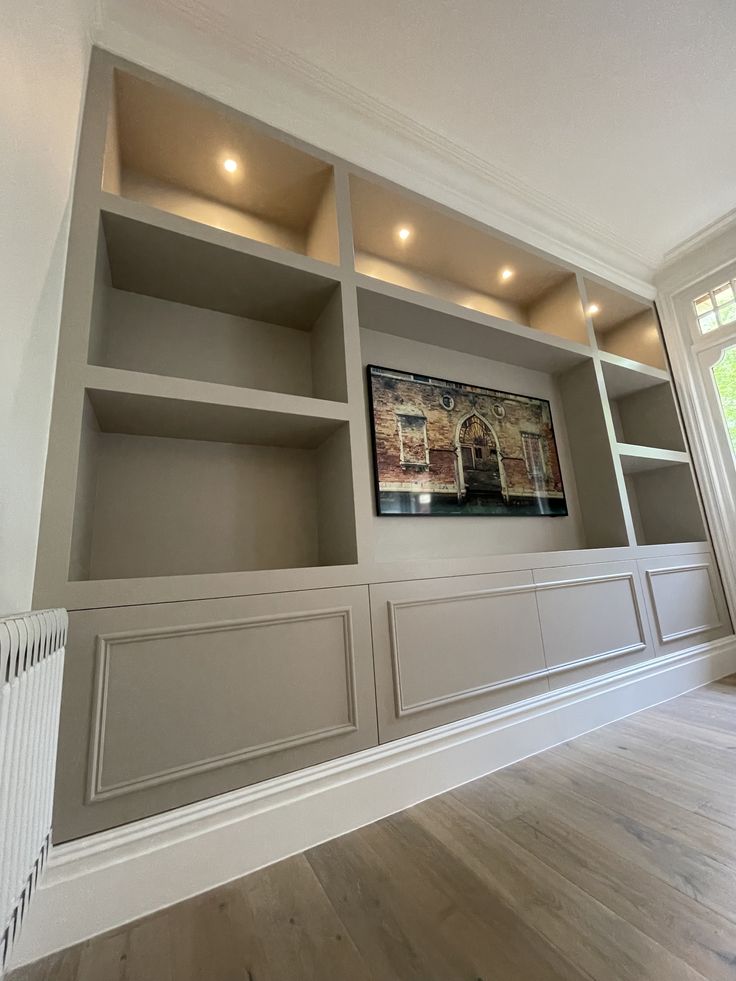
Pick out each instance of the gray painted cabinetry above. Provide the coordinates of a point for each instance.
(237, 609)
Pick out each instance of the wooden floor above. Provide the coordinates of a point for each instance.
(610, 857)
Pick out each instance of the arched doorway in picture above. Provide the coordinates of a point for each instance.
(480, 466)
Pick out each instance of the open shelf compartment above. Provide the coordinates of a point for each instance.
(643, 408)
(624, 325)
(458, 261)
(169, 487)
(171, 304)
(168, 149)
(663, 500)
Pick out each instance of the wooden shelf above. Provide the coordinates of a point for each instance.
(625, 377)
(173, 258)
(635, 459)
(147, 405)
(396, 310)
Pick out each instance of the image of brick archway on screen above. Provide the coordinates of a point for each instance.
(447, 448)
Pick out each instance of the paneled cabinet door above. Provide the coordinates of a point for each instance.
(593, 620)
(446, 649)
(685, 600)
(175, 702)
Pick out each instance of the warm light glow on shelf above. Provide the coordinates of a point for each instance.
(404, 233)
(230, 165)
(593, 309)
(507, 273)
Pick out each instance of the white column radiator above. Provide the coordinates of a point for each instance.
(31, 667)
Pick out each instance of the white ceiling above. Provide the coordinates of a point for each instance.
(616, 114)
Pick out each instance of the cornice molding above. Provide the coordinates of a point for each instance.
(301, 98)
(699, 255)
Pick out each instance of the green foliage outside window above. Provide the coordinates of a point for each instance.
(724, 374)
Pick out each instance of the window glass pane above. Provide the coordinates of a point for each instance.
(707, 322)
(703, 304)
(727, 313)
(724, 375)
(724, 294)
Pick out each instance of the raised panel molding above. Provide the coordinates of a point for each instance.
(535, 590)
(106, 648)
(713, 622)
(394, 607)
(598, 611)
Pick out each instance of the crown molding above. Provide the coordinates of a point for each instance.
(699, 255)
(195, 45)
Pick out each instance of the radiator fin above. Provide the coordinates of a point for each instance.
(31, 667)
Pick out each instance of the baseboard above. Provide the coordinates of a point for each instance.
(103, 881)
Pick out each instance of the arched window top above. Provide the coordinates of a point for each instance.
(475, 431)
(724, 376)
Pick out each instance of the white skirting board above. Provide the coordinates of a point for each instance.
(108, 879)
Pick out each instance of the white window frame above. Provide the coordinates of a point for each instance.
(687, 311)
(698, 332)
(701, 266)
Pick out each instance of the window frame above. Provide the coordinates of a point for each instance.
(417, 417)
(538, 442)
(701, 340)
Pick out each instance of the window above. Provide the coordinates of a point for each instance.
(413, 441)
(716, 308)
(534, 454)
(724, 376)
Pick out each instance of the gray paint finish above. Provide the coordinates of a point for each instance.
(209, 439)
(192, 699)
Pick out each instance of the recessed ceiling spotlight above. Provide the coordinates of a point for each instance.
(507, 273)
(593, 309)
(230, 165)
(404, 233)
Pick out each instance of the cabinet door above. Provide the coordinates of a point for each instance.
(685, 600)
(446, 649)
(174, 702)
(593, 620)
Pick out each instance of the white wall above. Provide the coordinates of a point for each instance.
(44, 51)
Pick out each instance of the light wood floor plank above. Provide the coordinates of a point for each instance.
(692, 789)
(704, 939)
(593, 937)
(451, 925)
(635, 823)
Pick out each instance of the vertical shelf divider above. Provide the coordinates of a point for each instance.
(618, 472)
(354, 369)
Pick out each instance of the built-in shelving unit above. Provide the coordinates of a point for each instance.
(211, 362)
(238, 608)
